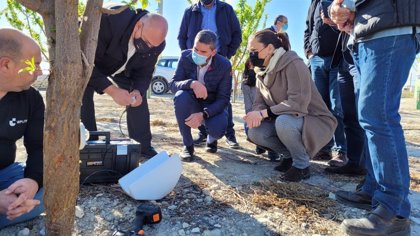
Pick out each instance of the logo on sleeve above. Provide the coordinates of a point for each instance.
(14, 122)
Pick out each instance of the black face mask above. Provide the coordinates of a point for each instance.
(253, 56)
(206, 2)
(141, 46)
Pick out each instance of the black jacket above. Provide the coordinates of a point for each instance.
(228, 28)
(309, 27)
(376, 15)
(111, 53)
(22, 115)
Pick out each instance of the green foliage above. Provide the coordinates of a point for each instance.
(31, 67)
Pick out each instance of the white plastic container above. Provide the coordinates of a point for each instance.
(153, 179)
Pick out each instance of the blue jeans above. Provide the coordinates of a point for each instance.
(355, 135)
(325, 79)
(384, 66)
(186, 104)
(8, 176)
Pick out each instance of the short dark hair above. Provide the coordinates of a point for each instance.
(207, 37)
(279, 18)
(267, 37)
(10, 47)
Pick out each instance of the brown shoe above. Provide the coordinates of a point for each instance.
(322, 156)
(295, 174)
(339, 159)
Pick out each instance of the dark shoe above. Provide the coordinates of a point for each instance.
(378, 222)
(322, 156)
(201, 139)
(232, 143)
(149, 153)
(187, 154)
(339, 159)
(358, 199)
(295, 175)
(348, 169)
(259, 150)
(211, 147)
(274, 157)
(285, 165)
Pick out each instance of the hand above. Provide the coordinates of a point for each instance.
(136, 97)
(199, 89)
(194, 120)
(25, 190)
(326, 20)
(6, 200)
(120, 96)
(343, 17)
(253, 119)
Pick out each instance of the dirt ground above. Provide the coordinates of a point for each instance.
(232, 192)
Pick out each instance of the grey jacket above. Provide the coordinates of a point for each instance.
(376, 15)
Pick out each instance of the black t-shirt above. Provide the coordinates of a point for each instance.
(22, 115)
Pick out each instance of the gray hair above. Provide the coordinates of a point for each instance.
(207, 37)
(10, 46)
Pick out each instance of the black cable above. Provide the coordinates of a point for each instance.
(119, 123)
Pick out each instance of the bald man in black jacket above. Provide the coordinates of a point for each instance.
(129, 45)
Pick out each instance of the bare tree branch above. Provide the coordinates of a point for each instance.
(39, 6)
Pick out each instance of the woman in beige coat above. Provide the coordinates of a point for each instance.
(288, 111)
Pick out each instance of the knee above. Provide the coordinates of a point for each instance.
(285, 125)
(255, 135)
(182, 97)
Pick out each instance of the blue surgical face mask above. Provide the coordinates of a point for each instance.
(199, 59)
(285, 26)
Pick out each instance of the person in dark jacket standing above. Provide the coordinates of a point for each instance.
(387, 38)
(21, 115)
(220, 18)
(202, 85)
(129, 44)
(321, 47)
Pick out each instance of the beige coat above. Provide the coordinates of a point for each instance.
(287, 88)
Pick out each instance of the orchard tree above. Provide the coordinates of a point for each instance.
(70, 52)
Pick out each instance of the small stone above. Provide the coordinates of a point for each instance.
(172, 207)
(331, 196)
(24, 232)
(217, 226)
(99, 195)
(304, 226)
(195, 230)
(79, 212)
(216, 232)
(199, 200)
(185, 225)
(181, 232)
(208, 199)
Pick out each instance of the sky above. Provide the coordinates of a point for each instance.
(295, 10)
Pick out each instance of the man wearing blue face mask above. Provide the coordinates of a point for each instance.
(129, 44)
(202, 85)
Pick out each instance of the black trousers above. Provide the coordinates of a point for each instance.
(138, 118)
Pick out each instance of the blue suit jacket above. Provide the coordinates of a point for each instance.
(228, 28)
(218, 81)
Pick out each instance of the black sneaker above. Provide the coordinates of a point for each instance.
(232, 143)
(149, 152)
(285, 165)
(211, 147)
(379, 222)
(357, 199)
(259, 150)
(295, 174)
(200, 140)
(348, 169)
(187, 154)
(274, 157)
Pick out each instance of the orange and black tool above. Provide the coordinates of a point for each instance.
(146, 214)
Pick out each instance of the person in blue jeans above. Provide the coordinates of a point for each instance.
(319, 46)
(21, 115)
(386, 42)
(202, 85)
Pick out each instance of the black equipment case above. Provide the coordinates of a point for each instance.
(108, 160)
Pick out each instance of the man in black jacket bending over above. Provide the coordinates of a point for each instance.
(129, 44)
(21, 115)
